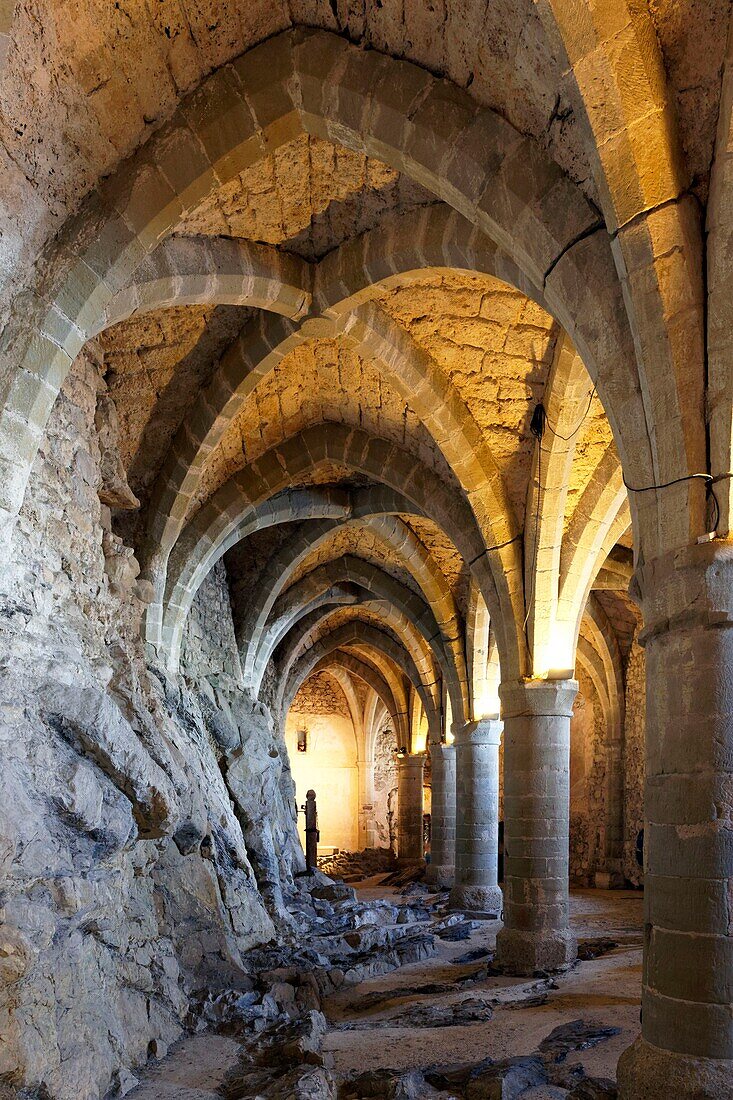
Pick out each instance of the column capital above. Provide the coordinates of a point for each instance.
(412, 760)
(537, 698)
(482, 731)
(687, 588)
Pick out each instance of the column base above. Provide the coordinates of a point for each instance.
(522, 953)
(440, 874)
(477, 899)
(646, 1072)
(410, 861)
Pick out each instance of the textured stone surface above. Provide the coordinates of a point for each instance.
(634, 760)
(308, 197)
(345, 268)
(475, 885)
(103, 916)
(536, 934)
(588, 792)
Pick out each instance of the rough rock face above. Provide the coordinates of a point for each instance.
(128, 882)
(258, 777)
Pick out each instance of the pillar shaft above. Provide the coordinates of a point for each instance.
(614, 840)
(536, 933)
(686, 1046)
(477, 817)
(367, 830)
(443, 815)
(409, 808)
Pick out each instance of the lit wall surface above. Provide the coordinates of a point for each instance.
(329, 767)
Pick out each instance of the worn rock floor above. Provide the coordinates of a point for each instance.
(604, 991)
(364, 1033)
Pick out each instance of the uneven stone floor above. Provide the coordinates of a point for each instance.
(604, 991)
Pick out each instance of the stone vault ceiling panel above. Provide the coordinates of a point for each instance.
(309, 196)
(593, 437)
(321, 694)
(496, 346)
(319, 381)
(156, 364)
(343, 615)
(447, 557)
(87, 81)
(624, 616)
(692, 37)
(359, 540)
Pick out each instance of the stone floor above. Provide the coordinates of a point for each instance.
(605, 990)
(365, 1031)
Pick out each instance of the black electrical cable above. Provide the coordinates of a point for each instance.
(666, 484)
(540, 421)
(499, 546)
(709, 480)
(711, 493)
(537, 426)
(579, 425)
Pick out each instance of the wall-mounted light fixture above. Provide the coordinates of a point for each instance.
(302, 740)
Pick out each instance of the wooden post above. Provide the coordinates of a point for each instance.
(312, 835)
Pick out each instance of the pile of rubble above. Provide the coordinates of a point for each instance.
(273, 1013)
(356, 866)
(275, 1009)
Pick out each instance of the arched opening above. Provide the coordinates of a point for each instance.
(326, 756)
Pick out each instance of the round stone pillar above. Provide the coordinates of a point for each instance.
(477, 817)
(536, 933)
(686, 1045)
(409, 808)
(442, 815)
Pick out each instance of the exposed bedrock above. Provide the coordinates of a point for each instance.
(133, 874)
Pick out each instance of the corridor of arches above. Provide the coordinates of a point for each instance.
(365, 427)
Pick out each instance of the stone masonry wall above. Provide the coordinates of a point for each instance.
(588, 796)
(126, 882)
(209, 646)
(634, 760)
(385, 789)
(319, 696)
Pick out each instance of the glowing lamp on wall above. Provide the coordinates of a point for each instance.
(302, 740)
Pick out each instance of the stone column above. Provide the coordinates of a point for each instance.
(368, 832)
(409, 808)
(443, 815)
(686, 1045)
(477, 817)
(614, 840)
(536, 933)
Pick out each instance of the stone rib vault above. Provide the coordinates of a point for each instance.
(365, 391)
